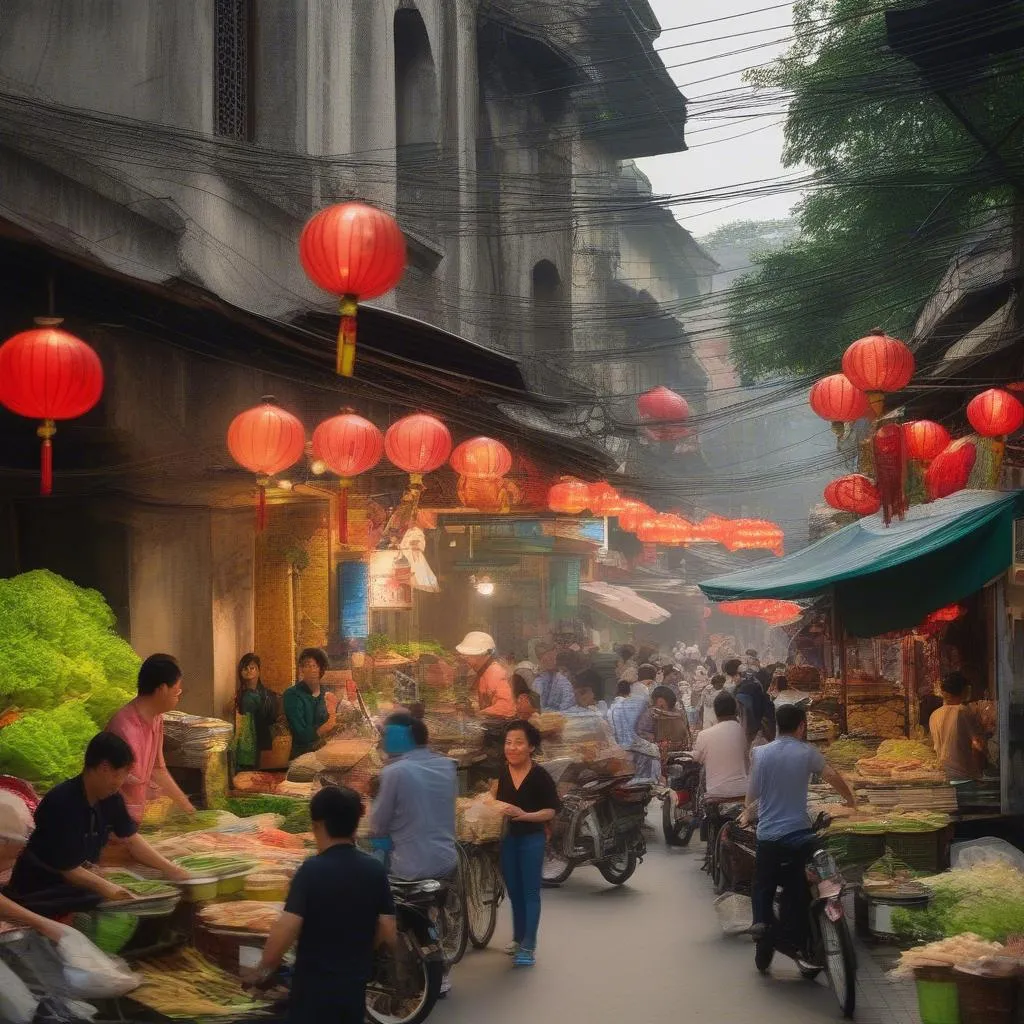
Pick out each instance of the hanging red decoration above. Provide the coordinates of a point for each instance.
(664, 412)
(680, 530)
(531, 484)
(418, 444)
(995, 414)
(950, 613)
(712, 530)
(266, 440)
(656, 529)
(890, 467)
(951, 469)
(755, 535)
(853, 493)
(605, 500)
(772, 611)
(348, 445)
(835, 399)
(569, 496)
(356, 252)
(878, 364)
(482, 458)
(634, 513)
(48, 374)
(924, 439)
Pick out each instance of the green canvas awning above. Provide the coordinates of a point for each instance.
(886, 578)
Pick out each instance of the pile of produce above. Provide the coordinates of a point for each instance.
(904, 750)
(63, 674)
(184, 986)
(844, 753)
(987, 900)
(141, 887)
(216, 865)
(875, 717)
(958, 949)
(892, 821)
(249, 806)
(247, 915)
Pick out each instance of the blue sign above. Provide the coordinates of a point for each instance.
(354, 600)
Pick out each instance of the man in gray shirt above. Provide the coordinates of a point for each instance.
(553, 686)
(780, 773)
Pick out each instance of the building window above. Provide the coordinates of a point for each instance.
(233, 38)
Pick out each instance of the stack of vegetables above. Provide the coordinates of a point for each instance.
(844, 753)
(986, 899)
(959, 949)
(63, 674)
(184, 986)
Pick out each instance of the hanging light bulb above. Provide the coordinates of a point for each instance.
(484, 585)
(318, 467)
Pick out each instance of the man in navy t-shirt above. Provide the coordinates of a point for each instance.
(339, 909)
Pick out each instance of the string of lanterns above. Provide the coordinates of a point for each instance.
(775, 613)
(873, 366)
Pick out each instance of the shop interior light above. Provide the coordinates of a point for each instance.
(318, 467)
(484, 585)
(285, 485)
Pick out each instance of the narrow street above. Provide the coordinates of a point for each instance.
(650, 952)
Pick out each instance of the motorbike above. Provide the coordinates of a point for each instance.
(406, 983)
(600, 823)
(723, 836)
(680, 811)
(829, 946)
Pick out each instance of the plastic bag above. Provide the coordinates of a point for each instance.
(15, 818)
(735, 913)
(17, 1004)
(986, 850)
(89, 973)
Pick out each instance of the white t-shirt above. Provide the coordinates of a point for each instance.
(722, 750)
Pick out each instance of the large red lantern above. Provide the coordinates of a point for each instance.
(665, 412)
(418, 444)
(853, 493)
(634, 513)
(48, 374)
(481, 458)
(756, 535)
(835, 399)
(569, 496)
(924, 439)
(951, 469)
(356, 252)
(995, 414)
(772, 611)
(606, 501)
(877, 364)
(265, 440)
(348, 445)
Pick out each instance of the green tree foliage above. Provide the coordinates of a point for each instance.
(895, 182)
(64, 666)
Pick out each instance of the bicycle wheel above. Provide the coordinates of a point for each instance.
(840, 961)
(454, 926)
(483, 894)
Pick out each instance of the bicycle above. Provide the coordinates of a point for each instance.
(483, 889)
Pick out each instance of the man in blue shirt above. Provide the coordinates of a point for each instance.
(415, 805)
(779, 776)
(553, 686)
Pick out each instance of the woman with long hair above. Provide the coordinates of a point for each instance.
(254, 701)
(531, 801)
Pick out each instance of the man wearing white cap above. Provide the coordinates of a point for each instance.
(494, 693)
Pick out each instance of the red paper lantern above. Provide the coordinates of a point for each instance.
(772, 611)
(995, 413)
(633, 514)
(482, 458)
(265, 440)
(569, 496)
(349, 445)
(605, 500)
(665, 412)
(755, 535)
(950, 470)
(355, 252)
(925, 439)
(418, 444)
(853, 493)
(949, 613)
(834, 398)
(712, 530)
(48, 374)
(878, 363)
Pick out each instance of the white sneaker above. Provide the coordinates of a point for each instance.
(446, 986)
(511, 949)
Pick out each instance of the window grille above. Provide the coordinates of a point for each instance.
(233, 69)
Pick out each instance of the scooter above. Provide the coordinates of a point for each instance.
(406, 983)
(680, 813)
(600, 823)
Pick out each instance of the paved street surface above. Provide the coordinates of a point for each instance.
(650, 952)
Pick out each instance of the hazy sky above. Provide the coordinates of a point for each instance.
(716, 158)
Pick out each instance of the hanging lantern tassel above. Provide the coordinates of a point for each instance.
(887, 446)
(261, 503)
(347, 336)
(343, 486)
(46, 430)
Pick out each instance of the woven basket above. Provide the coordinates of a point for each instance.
(986, 1000)
(343, 754)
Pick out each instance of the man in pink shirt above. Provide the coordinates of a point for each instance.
(493, 690)
(140, 724)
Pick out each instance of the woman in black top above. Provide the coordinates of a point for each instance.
(532, 801)
(260, 704)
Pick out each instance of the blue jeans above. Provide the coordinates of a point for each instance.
(522, 861)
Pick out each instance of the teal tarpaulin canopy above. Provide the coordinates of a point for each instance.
(886, 578)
